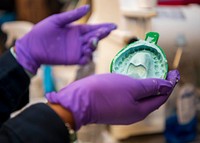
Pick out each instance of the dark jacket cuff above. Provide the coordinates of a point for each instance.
(14, 82)
(38, 124)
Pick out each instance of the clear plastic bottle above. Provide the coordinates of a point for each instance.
(181, 119)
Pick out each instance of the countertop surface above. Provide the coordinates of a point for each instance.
(100, 134)
(153, 138)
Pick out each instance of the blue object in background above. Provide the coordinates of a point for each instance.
(48, 81)
(7, 16)
(178, 133)
(181, 121)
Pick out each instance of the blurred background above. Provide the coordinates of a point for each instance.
(177, 22)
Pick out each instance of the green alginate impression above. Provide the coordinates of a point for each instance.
(141, 59)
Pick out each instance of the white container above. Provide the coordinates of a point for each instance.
(150, 4)
(130, 5)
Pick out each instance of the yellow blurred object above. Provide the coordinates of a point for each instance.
(177, 58)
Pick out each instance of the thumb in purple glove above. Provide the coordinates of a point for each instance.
(57, 41)
(113, 98)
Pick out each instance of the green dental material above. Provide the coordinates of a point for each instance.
(141, 59)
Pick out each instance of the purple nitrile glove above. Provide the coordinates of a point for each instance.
(56, 41)
(113, 98)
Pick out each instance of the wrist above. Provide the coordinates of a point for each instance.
(13, 52)
(64, 114)
(25, 56)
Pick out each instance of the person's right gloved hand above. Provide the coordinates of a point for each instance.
(56, 41)
(113, 98)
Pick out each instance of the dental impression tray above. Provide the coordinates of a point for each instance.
(141, 59)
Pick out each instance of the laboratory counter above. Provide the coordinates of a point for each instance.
(152, 138)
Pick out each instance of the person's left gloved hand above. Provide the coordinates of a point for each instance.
(113, 98)
(56, 41)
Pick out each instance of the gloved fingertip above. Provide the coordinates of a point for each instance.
(84, 8)
(88, 52)
(87, 6)
(112, 26)
(173, 76)
(93, 42)
(84, 60)
(71, 16)
(51, 97)
(102, 33)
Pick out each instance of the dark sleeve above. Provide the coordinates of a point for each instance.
(36, 124)
(8, 5)
(14, 86)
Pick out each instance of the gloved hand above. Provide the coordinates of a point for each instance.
(55, 40)
(113, 98)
